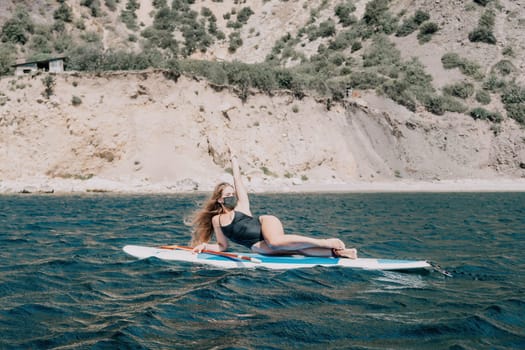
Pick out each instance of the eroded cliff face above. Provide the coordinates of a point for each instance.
(142, 127)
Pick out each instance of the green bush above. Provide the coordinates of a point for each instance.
(344, 12)
(382, 52)
(235, 41)
(483, 97)
(63, 13)
(453, 60)
(421, 16)
(244, 15)
(128, 15)
(408, 27)
(49, 86)
(440, 104)
(487, 19)
(18, 28)
(7, 57)
(399, 92)
(356, 46)
(513, 98)
(75, 101)
(159, 4)
(426, 31)
(483, 114)
(435, 104)
(365, 80)
(93, 5)
(504, 67)
(161, 38)
(327, 28)
(452, 104)
(462, 90)
(39, 44)
(111, 4)
(411, 24)
(378, 19)
(483, 32)
(344, 39)
(493, 83)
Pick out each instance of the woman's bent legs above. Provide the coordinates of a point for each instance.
(263, 248)
(277, 242)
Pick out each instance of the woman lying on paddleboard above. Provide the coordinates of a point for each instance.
(227, 214)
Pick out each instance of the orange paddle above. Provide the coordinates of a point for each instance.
(228, 255)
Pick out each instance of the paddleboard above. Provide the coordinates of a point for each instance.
(273, 262)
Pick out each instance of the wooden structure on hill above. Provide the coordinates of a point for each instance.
(51, 65)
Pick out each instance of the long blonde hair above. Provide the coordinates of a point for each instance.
(202, 226)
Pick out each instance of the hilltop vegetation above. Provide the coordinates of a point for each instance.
(327, 47)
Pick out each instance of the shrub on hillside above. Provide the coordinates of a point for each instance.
(75, 101)
(7, 56)
(344, 12)
(426, 31)
(452, 60)
(421, 16)
(63, 13)
(327, 28)
(244, 15)
(378, 19)
(483, 114)
(513, 98)
(399, 92)
(494, 84)
(18, 28)
(382, 52)
(504, 67)
(39, 44)
(111, 4)
(49, 86)
(462, 90)
(483, 97)
(411, 24)
(356, 46)
(235, 41)
(93, 5)
(365, 80)
(440, 104)
(161, 38)
(483, 32)
(128, 15)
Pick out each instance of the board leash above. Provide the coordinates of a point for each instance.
(439, 269)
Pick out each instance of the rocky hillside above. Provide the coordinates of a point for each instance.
(308, 91)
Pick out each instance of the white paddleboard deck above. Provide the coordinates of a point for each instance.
(273, 262)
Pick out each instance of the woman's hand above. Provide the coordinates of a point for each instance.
(200, 248)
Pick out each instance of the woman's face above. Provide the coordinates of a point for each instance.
(228, 199)
(227, 191)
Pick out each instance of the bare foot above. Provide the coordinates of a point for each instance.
(350, 253)
(334, 243)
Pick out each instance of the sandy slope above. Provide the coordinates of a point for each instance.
(143, 132)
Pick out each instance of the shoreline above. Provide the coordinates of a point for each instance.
(98, 185)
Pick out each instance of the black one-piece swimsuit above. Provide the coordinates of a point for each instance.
(244, 229)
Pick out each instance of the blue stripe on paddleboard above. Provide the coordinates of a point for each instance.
(392, 261)
(307, 260)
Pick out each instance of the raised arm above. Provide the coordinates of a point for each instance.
(243, 203)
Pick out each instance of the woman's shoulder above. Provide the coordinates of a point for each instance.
(215, 219)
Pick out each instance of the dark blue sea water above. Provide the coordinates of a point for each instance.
(66, 284)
